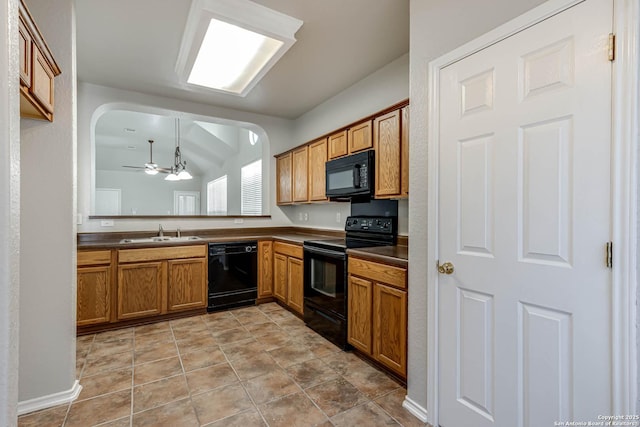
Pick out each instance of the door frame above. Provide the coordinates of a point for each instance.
(624, 182)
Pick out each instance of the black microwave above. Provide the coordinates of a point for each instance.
(350, 176)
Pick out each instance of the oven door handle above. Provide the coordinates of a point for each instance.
(325, 252)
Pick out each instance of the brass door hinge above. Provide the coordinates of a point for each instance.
(611, 51)
(609, 255)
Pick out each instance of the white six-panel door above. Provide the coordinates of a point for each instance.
(524, 216)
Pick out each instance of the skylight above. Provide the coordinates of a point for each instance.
(229, 45)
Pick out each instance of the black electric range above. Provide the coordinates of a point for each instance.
(325, 273)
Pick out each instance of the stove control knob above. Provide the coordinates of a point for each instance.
(355, 221)
(386, 225)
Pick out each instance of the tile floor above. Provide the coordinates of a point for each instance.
(254, 366)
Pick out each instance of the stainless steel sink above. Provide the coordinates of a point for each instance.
(160, 239)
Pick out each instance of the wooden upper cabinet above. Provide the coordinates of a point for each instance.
(360, 137)
(265, 269)
(386, 141)
(404, 149)
(317, 160)
(284, 176)
(37, 70)
(26, 44)
(301, 174)
(338, 144)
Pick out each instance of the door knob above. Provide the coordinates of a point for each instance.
(446, 268)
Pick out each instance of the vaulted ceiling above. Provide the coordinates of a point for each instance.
(133, 45)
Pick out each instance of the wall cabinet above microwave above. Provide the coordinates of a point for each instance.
(37, 70)
(300, 173)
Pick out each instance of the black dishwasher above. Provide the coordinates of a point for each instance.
(233, 274)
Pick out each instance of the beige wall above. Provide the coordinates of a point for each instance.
(47, 205)
(9, 213)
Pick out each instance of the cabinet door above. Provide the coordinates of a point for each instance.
(360, 137)
(390, 327)
(187, 284)
(317, 178)
(25, 54)
(280, 277)
(42, 87)
(404, 149)
(338, 145)
(386, 140)
(93, 295)
(295, 278)
(265, 269)
(284, 176)
(360, 313)
(301, 174)
(140, 289)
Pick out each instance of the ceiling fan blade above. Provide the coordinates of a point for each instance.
(133, 167)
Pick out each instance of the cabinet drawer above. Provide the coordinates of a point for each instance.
(288, 249)
(94, 258)
(378, 272)
(154, 254)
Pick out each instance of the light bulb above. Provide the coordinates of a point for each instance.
(151, 171)
(172, 177)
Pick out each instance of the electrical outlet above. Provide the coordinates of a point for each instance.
(79, 219)
(238, 221)
(306, 216)
(299, 216)
(106, 223)
(338, 216)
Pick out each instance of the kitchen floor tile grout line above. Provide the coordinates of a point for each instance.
(276, 316)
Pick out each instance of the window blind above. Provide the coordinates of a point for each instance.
(217, 196)
(251, 191)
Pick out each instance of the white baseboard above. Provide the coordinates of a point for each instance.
(51, 400)
(417, 410)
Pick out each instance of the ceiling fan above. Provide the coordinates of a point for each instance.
(150, 168)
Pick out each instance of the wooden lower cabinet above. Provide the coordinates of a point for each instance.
(295, 278)
(187, 284)
(390, 327)
(360, 314)
(137, 284)
(265, 269)
(288, 275)
(94, 287)
(377, 296)
(140, 289)
(280, 277)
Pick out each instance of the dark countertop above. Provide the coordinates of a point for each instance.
(395, 255)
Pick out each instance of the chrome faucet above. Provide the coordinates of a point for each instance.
(178, 232)
(160, 231)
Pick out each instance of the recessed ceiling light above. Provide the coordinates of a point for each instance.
(131, 147)
(130, 130)
(229, 45)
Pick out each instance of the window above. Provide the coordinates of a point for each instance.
(217, 196)
(251, 191)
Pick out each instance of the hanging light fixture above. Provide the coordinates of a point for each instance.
(179, 168)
